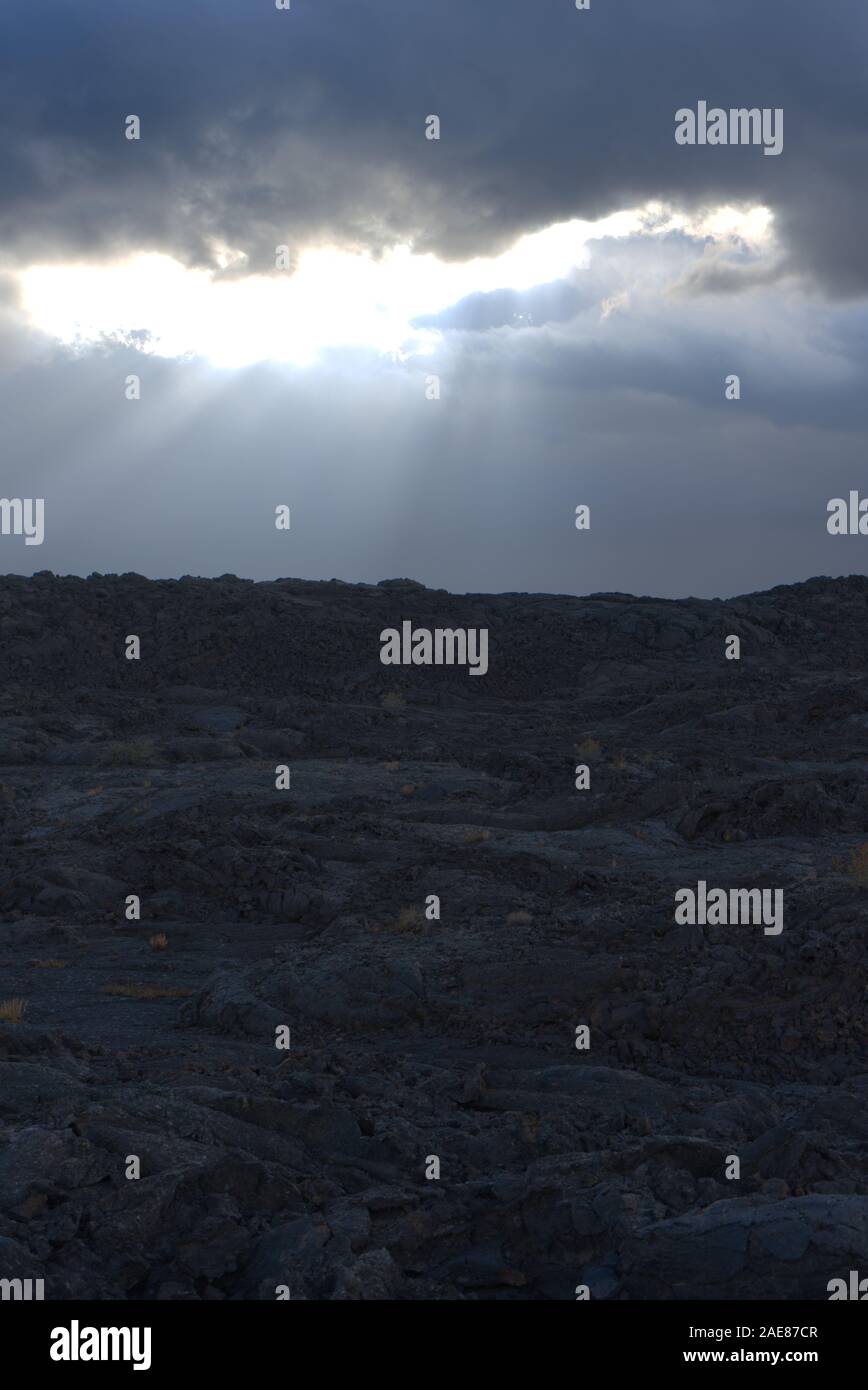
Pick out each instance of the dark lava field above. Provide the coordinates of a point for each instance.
(417, 1041)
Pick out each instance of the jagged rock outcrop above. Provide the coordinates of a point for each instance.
(413, 1037)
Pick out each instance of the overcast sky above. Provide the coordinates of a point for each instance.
(575, 284)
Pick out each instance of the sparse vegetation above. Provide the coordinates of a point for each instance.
(858, 867)
(588, 748)
(137, 752)
(12, 1010)
(409, 919)
(128, 989)
(159, 941)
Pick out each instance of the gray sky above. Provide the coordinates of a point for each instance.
(592, 378)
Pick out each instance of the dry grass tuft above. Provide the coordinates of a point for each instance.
(409, 919)
(127, 989)
(858, 867)
(158, 942)
(589, 747)
(136, 752)
(476, 837)
(12, 1010)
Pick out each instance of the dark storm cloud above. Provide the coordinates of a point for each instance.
(717, 275)
(262, 127)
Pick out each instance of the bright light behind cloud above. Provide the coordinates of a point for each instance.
(333, 298)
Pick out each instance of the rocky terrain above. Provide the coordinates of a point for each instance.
(413, 1038)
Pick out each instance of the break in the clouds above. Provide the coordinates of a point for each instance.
(579, 283)
(337, 298)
